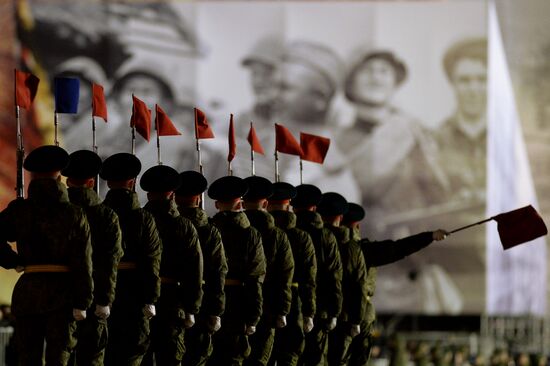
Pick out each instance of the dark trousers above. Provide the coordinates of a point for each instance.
(231, 347)
(92, 340)
(339, 342)
(261, 344)
(361, 347)
(315, 352)
(128, 337)
(198, 344)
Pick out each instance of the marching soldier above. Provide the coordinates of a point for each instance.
(54, 247)
(277, 294)
(354, 283)
(81, 173)
(180, 270)
(290, 340)
(329, 273)
(247, 268)
(138, 282)
(198, 342)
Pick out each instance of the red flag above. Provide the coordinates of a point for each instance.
(26, 86)
(254, 141)
(202, 129)
(231, 140)
(141, 118)
(314, 147)
(285, 142)
(164, 125)
(519, 226)
(99, 107)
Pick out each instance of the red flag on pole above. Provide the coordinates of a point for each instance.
(255, 141)
(141, 118)
(231, 140)
(285, 142)
(26, 86)
(314, 147)
(202, 129)
(165, 127)
(519, 226)
(99, 106)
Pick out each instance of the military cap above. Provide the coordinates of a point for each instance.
(355, 213)
(471, 48)
(332, 204)
(258, 188)
(121, 166)
(192, 183)
(306, 195)
(268, 51)
(227, 188)
(47, 158)
(160, 178)
(283, 191)
(83, 164)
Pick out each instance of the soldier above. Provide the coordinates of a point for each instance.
(53, 246)
(290, 340)
(138, 283)
(198, 342)
(329, 273)
(354, 283)
(276, 289)
(84, 166)
(246, 261)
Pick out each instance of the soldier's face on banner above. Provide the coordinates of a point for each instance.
(375, 82)
(264, 80)
(469, 80)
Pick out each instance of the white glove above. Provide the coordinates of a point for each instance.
(249, 329)
(214, 323)
(308, 324)
(280, 322)
(102, 312)
(149, 311)
(439, 234)
(331, 324)
(189, 320)
(355, 330)
(79, 315)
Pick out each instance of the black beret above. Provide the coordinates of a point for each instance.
(306, 195)
(160, 178)
(121, 166)
(355, 213)
(227, 188)
(47, 158)
(83, 164)
(283, 191)
(192, 183)
(332, 204)
(258, 188)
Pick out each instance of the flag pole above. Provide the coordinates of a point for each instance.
(133, 140)
(94, 149)
(198, 147)
(301, 171)
(276, 166)
(471, 225)
(252, 165)
(20, 156)
(158, 143)
(56, 122)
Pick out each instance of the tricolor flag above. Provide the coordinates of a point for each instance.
(141, 118)
(99, 106)
(26, 86)
(314, 148)
(285, 142)
(202, 128)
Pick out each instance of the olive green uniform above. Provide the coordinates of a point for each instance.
(198, 343)
(138, 280)
(277, 294)
(290, 341)
(106, 253)
(329, 295)
(243, 287)
(49, 230)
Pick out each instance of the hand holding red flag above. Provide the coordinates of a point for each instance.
(26, 86)
(285, 142)
(254, 141)
(519, 226)
(99, 106)
(141, 118)
(202, 129)
(231, 140)
(165, 127)
(314, 147)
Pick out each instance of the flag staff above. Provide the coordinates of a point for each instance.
(198, 147)
(94, 149)
(55, 123)
(276, 166)
(159, 161)
(20, 155)
(252, 165)
(471, 225)
(301, 171)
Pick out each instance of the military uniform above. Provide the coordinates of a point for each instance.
(243, 285)
(106, 253)
(53, 243)
(290, 340)
(276, 289)
(329, 273)
(138, 283)
(198, 341)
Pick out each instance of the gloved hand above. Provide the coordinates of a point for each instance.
(19, 269)
(280, 321)
(214, 323)
(249, 329)
(355, 329)
(308, 324)
(189, 320)
(439, 234)
(331, 324)
(102, 312)
(149, 311)
(79, 314)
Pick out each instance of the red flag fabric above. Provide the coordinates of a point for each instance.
(99, 106)
(314, 147)
(231, 140)
(165, 127)
(26, 86)
(202, 129)
(255, 141)
(519, 226)
(141, 118)
(285, 142)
